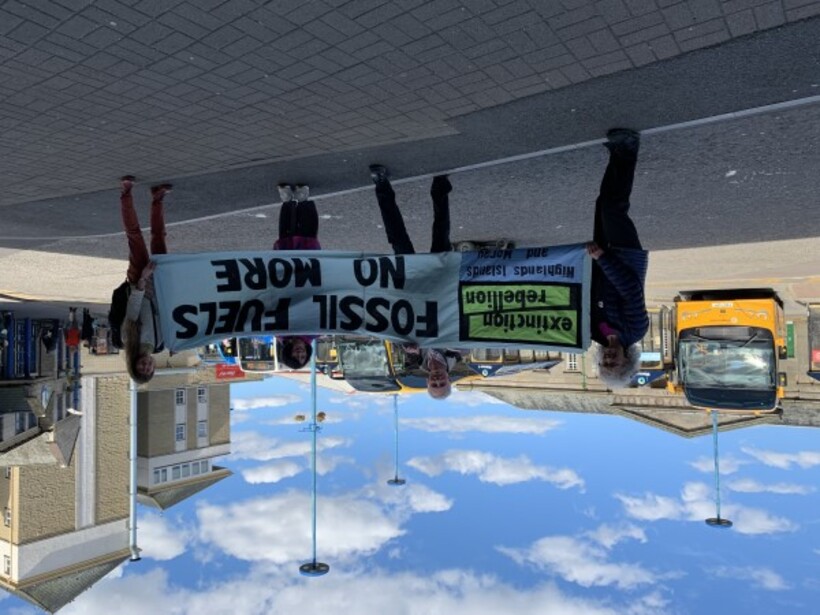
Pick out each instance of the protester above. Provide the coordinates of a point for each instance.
(618, 312)
(438, 362)
(298, 230)
(141, 334)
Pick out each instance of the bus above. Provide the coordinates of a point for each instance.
(728, 347)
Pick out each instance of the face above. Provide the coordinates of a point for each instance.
(298, 351)
(612, 356)
(145, 366)
(438, 379)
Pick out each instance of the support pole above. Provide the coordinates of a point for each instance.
(132, 458)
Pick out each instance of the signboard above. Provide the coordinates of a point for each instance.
(228, 372)
(528, 297)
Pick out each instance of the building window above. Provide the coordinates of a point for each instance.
(180, 432)
(186, 470)
(164, 475)
(195, 468)
(157, 477)
(202, 395)
(7, 472)
(7, 516)
(204, 465)
(175, 473)
(6, 565)
(202, 429)
(572, 362)
(180, 397)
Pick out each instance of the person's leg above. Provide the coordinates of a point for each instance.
(391, 216)
(158, 219)
(287, 219)
(307, 219)
(440, 191)
(137, 252)
(613, 226)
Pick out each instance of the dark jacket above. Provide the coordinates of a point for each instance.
(618, 278)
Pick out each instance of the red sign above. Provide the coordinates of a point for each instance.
(815, 356)
(228, 372)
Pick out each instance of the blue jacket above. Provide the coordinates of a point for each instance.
(618, 278)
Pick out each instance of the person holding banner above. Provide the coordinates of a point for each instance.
(141, 335)
(436, 361)
(298, 230)
(618, 312)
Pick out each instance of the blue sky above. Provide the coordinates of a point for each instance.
(504, 510)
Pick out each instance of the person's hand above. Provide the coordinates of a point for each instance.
(594, 250)
(146, 275)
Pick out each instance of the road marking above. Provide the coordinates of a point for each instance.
(714, 119)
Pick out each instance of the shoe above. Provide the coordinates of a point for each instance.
(623, 140)
(301, 193)
(441, 185)
(379, 173)
(159, 191)
(126, 183)
(285, 192)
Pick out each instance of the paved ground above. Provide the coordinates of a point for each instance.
(165, 88)
(316, 90)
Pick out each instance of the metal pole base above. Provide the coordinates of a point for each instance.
(396, 482)
(718, 522)
(314, 569)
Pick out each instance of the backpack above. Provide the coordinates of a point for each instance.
(116, 312)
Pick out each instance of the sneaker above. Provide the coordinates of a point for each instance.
(285, 192)
(159, 191)
(379, 173)
(623, 140)
(301, 193)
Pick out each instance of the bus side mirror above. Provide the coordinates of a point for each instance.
(782, 352)
(782, 380)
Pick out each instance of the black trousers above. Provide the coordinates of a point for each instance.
(394, 222)
(613, 226)
(298, 219)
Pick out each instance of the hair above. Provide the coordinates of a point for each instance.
(287, 353)
(133, 350)
(618, 377)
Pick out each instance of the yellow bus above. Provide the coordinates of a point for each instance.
(728, 346)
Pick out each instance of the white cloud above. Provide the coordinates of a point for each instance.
(497, 470)
(696, 503)
(728, 464)
(256, 446)
(580, 561)
(610, 535)
(272, 472)
(275, 401)
(748, 485)
(158, 540)
(784, 461)
(276, 591)
(761, 577)
(482, 423)
(278, 529)
(325, 464)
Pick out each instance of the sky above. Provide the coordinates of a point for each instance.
(504, 510)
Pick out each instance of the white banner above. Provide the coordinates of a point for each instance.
(528, 297)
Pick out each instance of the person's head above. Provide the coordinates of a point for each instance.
(138, 358)
(616, 364)
(295, 352)
(438, 380)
